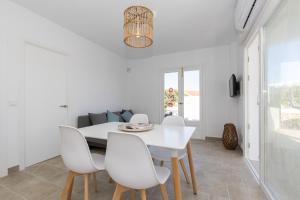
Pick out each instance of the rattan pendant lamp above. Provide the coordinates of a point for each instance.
(138, 27)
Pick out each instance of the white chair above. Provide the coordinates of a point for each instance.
(129, 163)
(173, 121)
(164, 155)
(79, 160)
(139, 118)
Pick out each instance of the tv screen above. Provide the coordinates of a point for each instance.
(233, 86)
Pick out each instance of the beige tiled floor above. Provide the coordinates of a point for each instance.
(221, 174)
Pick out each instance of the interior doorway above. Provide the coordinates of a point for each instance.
(253, 104)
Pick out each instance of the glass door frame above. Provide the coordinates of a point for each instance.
(261, 100)
(180, 70)
(263, 103)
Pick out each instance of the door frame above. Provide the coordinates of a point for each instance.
(246, 103)
(199, 123)
(22, 127)
(3, 136)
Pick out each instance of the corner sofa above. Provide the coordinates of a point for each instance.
(94, 119)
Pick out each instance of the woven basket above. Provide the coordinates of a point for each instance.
(230, 137)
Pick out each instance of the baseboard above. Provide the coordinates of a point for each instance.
(213, 139)
(241, 149)
(197, 139)
(13, 169)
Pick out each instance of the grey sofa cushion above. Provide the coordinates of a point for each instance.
(83, 121)
(97, 118)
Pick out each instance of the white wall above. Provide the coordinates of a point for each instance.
(95, 77)
(216, 64)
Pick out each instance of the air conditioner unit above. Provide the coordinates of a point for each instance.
(246, 12)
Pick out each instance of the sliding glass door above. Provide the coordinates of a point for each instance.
(282, 105)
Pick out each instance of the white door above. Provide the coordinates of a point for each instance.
(182, 94)
(45, 99)
(253, 102)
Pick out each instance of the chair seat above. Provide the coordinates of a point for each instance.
(163, 174)
(163, 154)
(98, 160)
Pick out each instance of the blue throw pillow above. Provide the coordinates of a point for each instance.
(112, 117)
(127, 116)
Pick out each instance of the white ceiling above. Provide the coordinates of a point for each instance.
(179, 25)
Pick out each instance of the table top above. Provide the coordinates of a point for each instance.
(171, 137)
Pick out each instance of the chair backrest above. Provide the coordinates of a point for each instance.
(139, 118)
(173, 121)
(128, 161)
(75, 151)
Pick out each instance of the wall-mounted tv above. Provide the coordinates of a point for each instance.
(234, 86)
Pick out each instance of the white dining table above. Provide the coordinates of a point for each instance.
(174, 138)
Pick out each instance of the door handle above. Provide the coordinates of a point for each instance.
(63, 106)
(180, 103)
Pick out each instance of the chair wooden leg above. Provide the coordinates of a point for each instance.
(71, 189)
(187, 178)
(66, 195)
(161, 163)
(143, 195)
(95, 182)
(164, 192)
(110, 180)
(86, 186)
(192, 169)
(118, 192)
(132, 194)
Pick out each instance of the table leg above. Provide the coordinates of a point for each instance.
(192, 169)
(176, 178)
